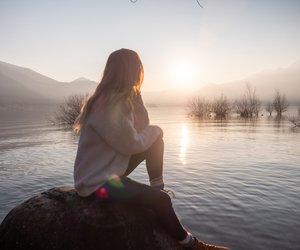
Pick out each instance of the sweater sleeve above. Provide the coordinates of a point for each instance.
(141, 118)
(117, 129)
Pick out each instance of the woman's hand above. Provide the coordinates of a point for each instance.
(141, 118)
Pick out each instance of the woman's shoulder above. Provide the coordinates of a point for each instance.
(106, 109)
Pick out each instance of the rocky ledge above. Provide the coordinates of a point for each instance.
(59, 219)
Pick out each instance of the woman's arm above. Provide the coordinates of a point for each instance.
(118, 130)
(141, 118)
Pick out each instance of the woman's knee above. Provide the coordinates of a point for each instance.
(160, 140)
(158, 144)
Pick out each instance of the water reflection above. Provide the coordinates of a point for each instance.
(238, 175)
(183, 143)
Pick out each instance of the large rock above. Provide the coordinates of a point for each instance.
(59, 219)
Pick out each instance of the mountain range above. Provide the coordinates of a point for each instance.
(19, 85)
(286, 80)
(265, 83)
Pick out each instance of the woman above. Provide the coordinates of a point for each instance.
(115, 137)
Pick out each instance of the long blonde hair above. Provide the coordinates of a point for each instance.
(123, 75)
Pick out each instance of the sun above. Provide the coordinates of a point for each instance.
(184, 71)
(183, 75)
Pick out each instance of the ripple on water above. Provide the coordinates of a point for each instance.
(236, 182)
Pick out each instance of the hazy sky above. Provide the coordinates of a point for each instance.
(179, 42)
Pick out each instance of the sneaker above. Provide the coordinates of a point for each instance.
(200, 245)
(170, 192)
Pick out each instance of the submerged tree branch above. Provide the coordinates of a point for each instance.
(198, 2)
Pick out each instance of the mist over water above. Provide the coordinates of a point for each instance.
(237, 182)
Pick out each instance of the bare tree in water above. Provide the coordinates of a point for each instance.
(68, 111)
(248, 105)
(280, 103)
(270, 108)
(221, 107)
(295, 120)
(199, 107)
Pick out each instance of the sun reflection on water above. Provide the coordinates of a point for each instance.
(183, 143)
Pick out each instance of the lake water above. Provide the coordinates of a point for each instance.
(237, 182)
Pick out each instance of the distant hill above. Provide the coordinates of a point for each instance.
(22, 85)
(287, 80)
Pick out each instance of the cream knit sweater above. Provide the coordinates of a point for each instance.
(107, 141)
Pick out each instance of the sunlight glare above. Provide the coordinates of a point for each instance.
(184, 75)
(184, 72)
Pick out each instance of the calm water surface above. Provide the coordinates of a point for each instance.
(237, 182)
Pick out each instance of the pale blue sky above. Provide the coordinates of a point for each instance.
(226, 40)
